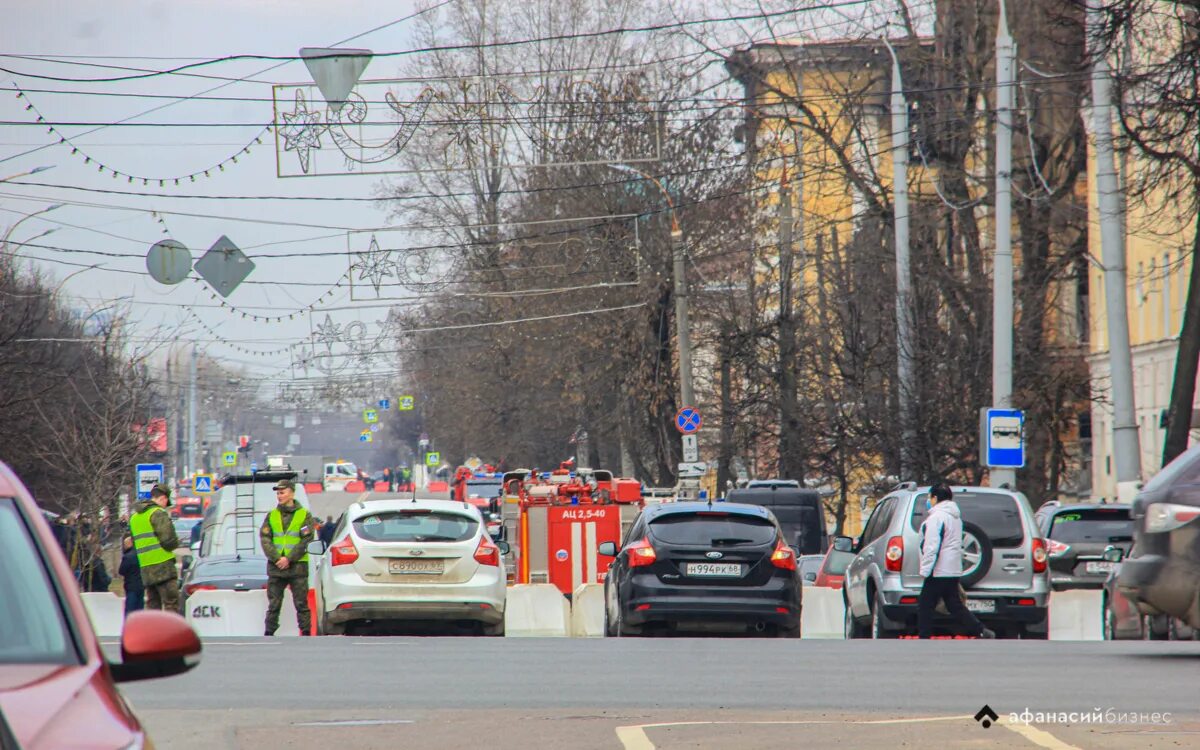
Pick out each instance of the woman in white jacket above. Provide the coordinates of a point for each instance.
(941, 565)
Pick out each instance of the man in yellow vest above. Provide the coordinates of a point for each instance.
(154, 541)
(285, 535)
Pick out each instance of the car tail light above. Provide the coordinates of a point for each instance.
(192, 588)
(344, 552)
(894, 556)
(783, 556)
(487, 553)
(641, 553)
(1026, 602)
(1056, 548)
(1162, 517)
(1039, 555)
(908, 600)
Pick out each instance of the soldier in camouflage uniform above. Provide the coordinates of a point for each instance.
(285, 535)
(154, 541)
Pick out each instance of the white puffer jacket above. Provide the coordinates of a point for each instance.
(941, 535)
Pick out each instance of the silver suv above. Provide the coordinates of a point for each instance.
(1004, 564)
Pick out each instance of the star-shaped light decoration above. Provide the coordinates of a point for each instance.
(328, 332)
(301, 131)
(375, 265)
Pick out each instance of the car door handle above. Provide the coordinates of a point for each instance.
(1013, 567)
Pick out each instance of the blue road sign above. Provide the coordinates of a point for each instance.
(688, 420)
(148, 475)
(203, 484)
(1004, 438)
(385, 404)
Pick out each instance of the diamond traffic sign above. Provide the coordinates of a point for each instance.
(229, 458)
(433, 458)
(224, 266)
(688, 420)
(406, 403)
(203, 484)
(370, 416)
(336, 71)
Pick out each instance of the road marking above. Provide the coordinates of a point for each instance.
(634, 737)
(1039, 737)
(353, 723)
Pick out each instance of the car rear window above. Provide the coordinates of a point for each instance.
(709, 529)
(1092, 525)
(837, 562)
(417, 525)
(33, 629)
(247, 566)
(487, 489)
(998, 515)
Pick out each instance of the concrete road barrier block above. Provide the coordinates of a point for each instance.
(823, 613)
(587, 611)
(1076, 616)
(107, 612)
(536, 609)
(236, 613)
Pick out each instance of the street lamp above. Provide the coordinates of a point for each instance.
(25, 218)
(26, 173)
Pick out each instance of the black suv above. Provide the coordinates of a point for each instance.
(684, 564)
(800, 513)
(1077, 536)
(1164, 577)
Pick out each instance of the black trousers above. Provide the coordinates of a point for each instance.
(944, 590)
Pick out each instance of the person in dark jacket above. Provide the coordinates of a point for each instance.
(326, 532)
(390, 478)
(131, 572)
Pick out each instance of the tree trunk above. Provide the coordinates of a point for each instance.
(725, 451)
(790, 463)
(1183, 388)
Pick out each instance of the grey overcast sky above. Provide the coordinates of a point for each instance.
(80, 36)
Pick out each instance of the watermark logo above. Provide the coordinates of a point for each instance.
(986, 716)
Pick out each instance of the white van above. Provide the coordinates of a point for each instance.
(233, 521)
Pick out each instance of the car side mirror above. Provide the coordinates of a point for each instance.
(810, 577)
(608, 549)
(843, 544)
(1114, 554)
(505, 547)
(316, 547)
(187, 562)
(154, 644)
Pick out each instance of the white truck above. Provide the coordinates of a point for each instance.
(331, 473)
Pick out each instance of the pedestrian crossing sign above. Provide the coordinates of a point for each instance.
(203, 485)
(433, 459)
(406, 403)
(229, 458)
(370, 416)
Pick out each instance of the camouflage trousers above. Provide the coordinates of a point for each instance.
(163, 595)
(276, 585)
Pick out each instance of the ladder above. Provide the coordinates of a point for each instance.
(245, 530)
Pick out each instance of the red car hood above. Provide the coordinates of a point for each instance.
(56, 706)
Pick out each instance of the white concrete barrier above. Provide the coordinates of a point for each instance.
(823, 613)
(107, 612)
(1076, 616)
(587, 611)
(236, 613)
(536, 609)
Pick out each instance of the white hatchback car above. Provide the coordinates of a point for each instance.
(410, 560)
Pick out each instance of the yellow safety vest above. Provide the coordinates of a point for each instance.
(285, 540)
(145, 541)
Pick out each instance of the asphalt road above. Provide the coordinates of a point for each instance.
(529, 693)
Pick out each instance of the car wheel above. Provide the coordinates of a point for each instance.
(1026, 634)
(851, 628)
(878, 630)
(788, 631)
(1156, 628)
(976, 554)
(1110, 622)
(325, 627)
(493, 631)
(609, 630)
(624, 630)
(1178, 631)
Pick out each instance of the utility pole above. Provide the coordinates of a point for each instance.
(191, 431)
(682, 321)
(904, 343)
(788, 406)
(1127, 453)
(1002, 264)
